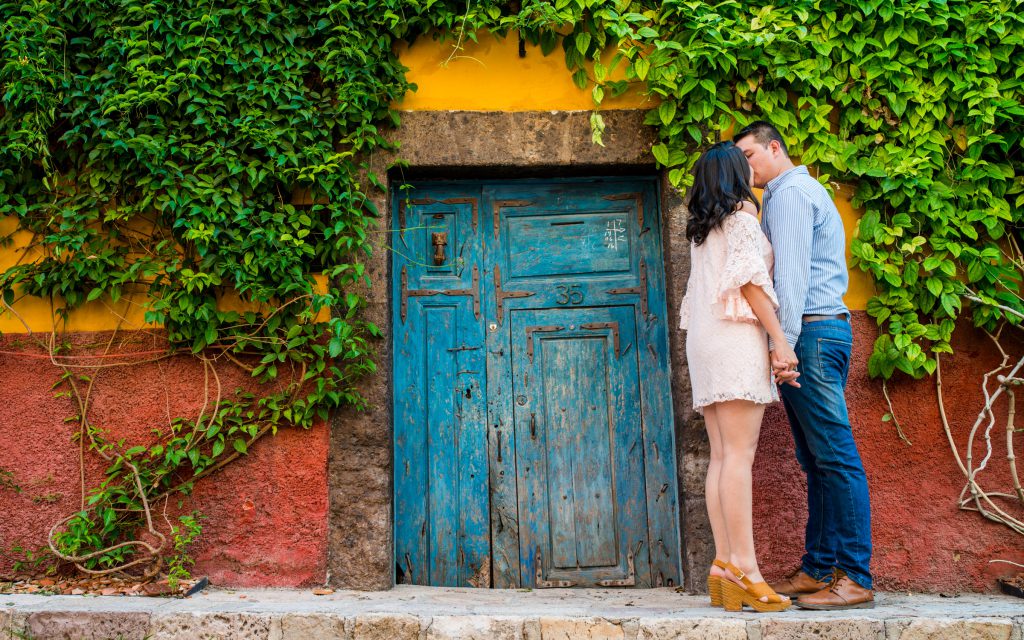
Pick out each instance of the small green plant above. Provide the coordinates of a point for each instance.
(29, 561)
(51, 497)
(7, 481)
(183, 535)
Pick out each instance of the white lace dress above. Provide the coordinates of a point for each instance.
(726, 347)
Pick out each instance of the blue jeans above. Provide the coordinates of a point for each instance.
(838, 506)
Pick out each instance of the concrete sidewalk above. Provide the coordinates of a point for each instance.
(423, 613)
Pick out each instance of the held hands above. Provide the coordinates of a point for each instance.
(784, 363)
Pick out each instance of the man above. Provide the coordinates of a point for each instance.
(806, 233)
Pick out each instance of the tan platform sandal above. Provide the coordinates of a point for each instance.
(734, 596)
(715, 584)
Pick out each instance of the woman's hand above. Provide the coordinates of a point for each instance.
(784, 363)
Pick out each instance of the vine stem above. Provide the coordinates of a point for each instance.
(17, 315)
(1010, 428)
(1003, 308)
(978, 494)
(462, 33)
(892, 412)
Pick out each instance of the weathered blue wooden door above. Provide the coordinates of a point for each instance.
(533, 429)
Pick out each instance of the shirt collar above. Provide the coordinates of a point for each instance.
(784, 177)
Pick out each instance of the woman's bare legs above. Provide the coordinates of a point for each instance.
(711, 487)
(739, 424)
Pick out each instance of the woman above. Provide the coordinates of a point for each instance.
(728, 312)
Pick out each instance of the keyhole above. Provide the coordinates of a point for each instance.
(469, 393)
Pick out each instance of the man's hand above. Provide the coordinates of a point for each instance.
(784, 363)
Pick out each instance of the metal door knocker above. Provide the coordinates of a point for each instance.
(440, 241)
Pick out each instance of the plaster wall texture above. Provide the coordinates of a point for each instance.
(265, 515)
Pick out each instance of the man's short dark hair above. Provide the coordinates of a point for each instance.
(763, 132)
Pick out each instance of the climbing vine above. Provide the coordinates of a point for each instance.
(185, 152)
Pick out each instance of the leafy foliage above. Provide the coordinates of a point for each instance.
(7, 481)
(184, 150)
(184, 534)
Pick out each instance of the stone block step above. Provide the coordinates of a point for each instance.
(425, 613)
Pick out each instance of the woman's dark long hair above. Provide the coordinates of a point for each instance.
(721, 180)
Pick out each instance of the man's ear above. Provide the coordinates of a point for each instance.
(774, 147)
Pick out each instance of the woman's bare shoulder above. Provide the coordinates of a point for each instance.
(747, 206)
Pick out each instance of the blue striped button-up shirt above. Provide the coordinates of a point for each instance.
(806, 232)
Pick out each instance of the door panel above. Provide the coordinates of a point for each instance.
(441, 503)
(565, 245)
(581, 493)
(533, 430)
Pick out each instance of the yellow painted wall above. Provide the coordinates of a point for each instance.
(862, 287)
(489, 76)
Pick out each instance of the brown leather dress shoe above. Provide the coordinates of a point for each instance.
(798, 584)
(843, 593)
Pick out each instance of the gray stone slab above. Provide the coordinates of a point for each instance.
(14, 624)
(848, 628)
(474, 627)
(307, 626)
(381, 626)
(88, 625)
(592, 628)
(423, 613)
(948, 629)
(209, 626)
(692, 629)
(6, 617)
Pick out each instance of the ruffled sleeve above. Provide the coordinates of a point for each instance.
(744, 263)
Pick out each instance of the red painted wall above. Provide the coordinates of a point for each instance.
(266, 514)
(922, 541)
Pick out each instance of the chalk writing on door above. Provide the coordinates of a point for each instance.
(614, 234)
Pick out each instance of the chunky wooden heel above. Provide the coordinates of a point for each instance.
(734, 595)
(715, 590)
(715, 584)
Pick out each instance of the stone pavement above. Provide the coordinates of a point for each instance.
(424, 613)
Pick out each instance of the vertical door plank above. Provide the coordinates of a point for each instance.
(471, 410)
(442, 444)
(556, 371)
(411, 548)
(531, 462)
(576, 390)
(656, 418)
(501, 436)
(628, 459)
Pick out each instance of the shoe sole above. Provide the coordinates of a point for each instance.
(796, 594)
(835, 607)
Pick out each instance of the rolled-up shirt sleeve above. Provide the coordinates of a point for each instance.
(791, 229)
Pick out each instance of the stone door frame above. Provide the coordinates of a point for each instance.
(504, 145)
